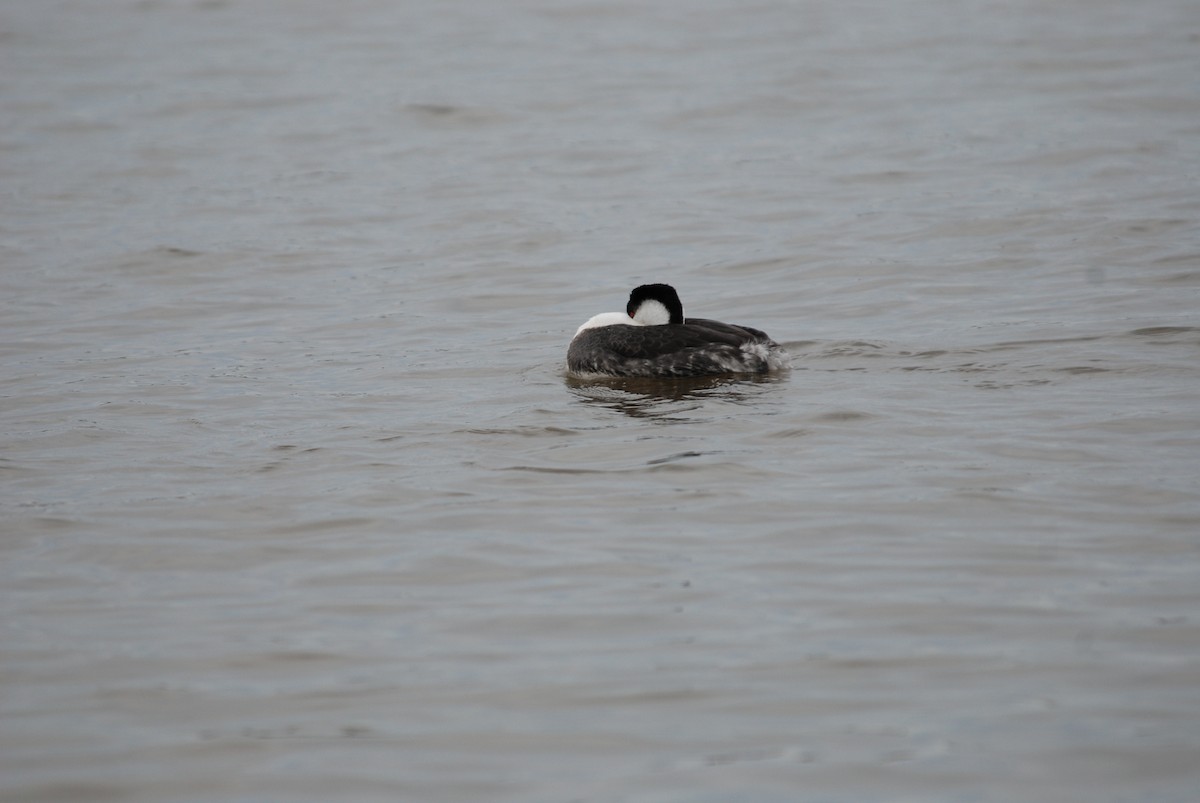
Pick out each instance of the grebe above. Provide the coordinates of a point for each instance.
(653, 339)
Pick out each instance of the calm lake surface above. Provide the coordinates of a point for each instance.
(298, 502)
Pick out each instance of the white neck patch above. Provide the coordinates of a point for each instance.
(608, 319)
(652, 313)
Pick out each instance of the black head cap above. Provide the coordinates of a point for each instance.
(663, 293)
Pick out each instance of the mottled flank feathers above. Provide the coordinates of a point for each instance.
(697, 347)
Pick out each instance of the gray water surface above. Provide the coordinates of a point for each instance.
(298, 502)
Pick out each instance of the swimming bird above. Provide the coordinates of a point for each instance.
(652, 338)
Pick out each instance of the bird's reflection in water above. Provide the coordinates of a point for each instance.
(643, 397)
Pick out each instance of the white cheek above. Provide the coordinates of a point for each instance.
(652, 313)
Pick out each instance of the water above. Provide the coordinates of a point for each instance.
(299, 504)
